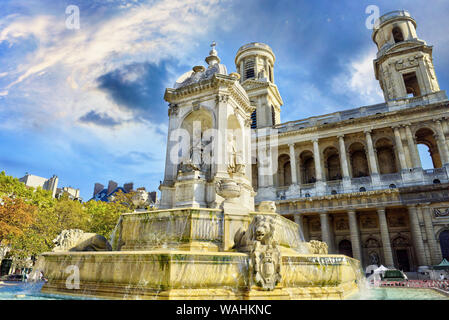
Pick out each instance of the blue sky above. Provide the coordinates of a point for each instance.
(87, 104)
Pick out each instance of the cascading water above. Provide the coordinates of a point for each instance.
(190, 253)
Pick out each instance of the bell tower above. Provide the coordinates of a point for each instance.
(255, 64)
(404, 64)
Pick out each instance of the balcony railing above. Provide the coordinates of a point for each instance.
(390, 177)
(387, 181)
(361, 180)
(394, 14)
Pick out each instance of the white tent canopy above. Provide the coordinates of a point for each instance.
(381, 269)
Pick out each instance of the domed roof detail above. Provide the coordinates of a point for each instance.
(199, 73)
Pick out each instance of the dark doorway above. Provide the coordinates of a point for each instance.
(444, 243)
(403, 263)
(345, 247)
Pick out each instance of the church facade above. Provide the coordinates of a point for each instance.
(353, 178)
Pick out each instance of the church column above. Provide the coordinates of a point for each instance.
(317, 158)
(293, 163)
(435, 254)
(388, 254)
(442, 146)
(416, 235)
(326, 231)
(412, 147)
(371, 153)
(343, 157)
(400, 148)
(445, 128)
(355, 235)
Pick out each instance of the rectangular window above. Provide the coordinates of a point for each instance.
(411, 85)
(249, 69)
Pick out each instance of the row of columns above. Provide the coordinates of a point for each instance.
(443, 146)
(415, 229)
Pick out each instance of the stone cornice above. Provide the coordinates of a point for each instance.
(251, 85)
(398, 115)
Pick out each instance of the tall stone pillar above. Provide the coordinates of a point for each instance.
(344, 163)
(435, 252)
(317, 158)
(388, 254)
(343, 157)
(400, 148)
(416, 235)
(293, 163)
(442, 145)
(326, 231)
(412, 147)
(371, 153)
(355, 235)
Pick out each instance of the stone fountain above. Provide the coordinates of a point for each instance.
(207, 241)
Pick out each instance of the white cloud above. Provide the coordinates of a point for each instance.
(68, 62)
(358, 82)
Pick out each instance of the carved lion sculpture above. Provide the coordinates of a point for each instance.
(261, 229)
(267, 206)
(140, 199)
(317, 247)
(78, 240)
(264, 253)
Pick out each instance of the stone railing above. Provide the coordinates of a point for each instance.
(387, 181)
(391, 177)
(332, 117)
(393, 14)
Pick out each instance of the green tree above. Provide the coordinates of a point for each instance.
(103, 216)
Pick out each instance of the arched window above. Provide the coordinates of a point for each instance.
(345, 248)
(385, 156)
(428, 149)
(284, 176)
(332, 164)
(397, 35)
(359, 162)
(273, 116)
(307, 164)
(444, 244)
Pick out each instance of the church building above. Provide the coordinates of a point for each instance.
(353, 178)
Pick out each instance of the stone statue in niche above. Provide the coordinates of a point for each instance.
(265, 257)
(235, 164)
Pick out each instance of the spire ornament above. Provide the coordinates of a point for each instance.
(213, 58)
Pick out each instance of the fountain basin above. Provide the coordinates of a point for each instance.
(169, 274)
(194, 229)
